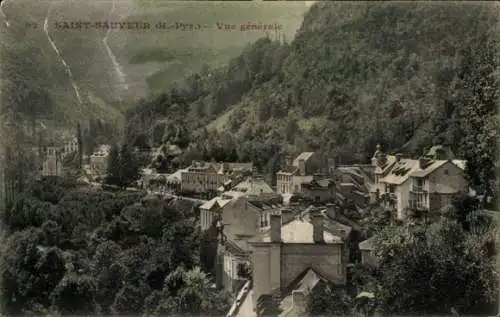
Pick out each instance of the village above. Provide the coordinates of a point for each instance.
(276, 243)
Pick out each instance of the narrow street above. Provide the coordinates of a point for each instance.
(246, 309)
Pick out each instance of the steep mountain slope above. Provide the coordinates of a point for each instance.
(375, 73)
(179, 51)
(355, 75)
(80, 73)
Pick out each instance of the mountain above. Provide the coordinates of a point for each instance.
(404, 75)
(77, 73)
(354, 75)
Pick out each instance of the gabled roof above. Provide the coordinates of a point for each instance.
(331, 225)
(253, 186)
(308, 279)
(302, 156)
(176, 177)
(434, 165)
(233, 248)
(391, 159)
(217, 201)
(460, 163)
(367, 245)
(400, 172)
(289, 170)
(311, 280)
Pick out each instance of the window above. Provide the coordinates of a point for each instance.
(264, 219)
(243, 270)
(445, 172)
(420, 182)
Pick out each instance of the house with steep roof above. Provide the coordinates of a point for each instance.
(423, 184)
(290, 259)
(210, 210)
(251, 187)
(294, 298)
(290, 178)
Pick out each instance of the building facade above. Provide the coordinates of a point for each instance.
(242, 219)
(287, 251)
(290, 178)
(99, 161)
(319, 189)
(205, 178)
(423, 184)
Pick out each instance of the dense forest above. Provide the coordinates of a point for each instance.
(73, 249)
(407, 76)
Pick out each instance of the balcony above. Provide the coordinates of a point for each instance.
(418, 189)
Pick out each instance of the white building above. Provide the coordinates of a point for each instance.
(422, 184)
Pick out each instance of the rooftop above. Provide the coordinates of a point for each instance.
(367, 245)
(400, 172)
(302, 156)
(289, 169)
(264, 205)
(253, 186)
(391, 159)
(320, 183)
(176, 177)
(300, 231)
(211, 203)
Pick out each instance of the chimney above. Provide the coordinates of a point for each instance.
(331, 165)
(287, 215)
(330, 211)
(398, 157)
(275, 228)
(318, 228)
(302, 167)
(422, 162)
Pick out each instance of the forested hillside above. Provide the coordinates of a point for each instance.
(405, 75)
(54, 75)
(75, 250)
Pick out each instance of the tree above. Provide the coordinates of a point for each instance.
(75, 295)
(123, 167)
(188, 291)
(29, 272)
(423, 260)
